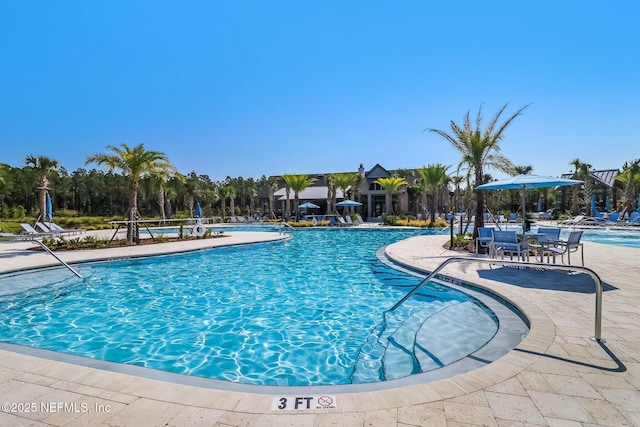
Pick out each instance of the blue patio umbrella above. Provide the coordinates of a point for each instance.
(308, 205)
(593, 204)
(539, 205)
(607, 204)
(524, 182)
(48, 213)
(348, 203)
(198, 210)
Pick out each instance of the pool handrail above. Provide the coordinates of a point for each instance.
(599, 287)
(45, 247)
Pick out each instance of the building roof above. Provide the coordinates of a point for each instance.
(605, 176)
(309, 193)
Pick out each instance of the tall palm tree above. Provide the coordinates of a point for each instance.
(331, 194)
(582, 173)
(391, 185)
(345, 181)
(161, 175)
(297, 183)
(432, 180)
(630, 179)
(272, 185)
(480, 149)
(42, 166)
(135, 163)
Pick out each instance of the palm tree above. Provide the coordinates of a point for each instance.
(272, 185)
(582, 173)
(432, 180)
(297, 183)
(521, 170)
(480, 150)
(391, 185)
(135, 163)
(161, 175)
(42, 166)
(630, 179)
(344, 181)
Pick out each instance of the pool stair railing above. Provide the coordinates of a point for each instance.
(56, 257)
(538, 265)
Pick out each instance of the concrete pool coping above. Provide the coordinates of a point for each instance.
(557, 375)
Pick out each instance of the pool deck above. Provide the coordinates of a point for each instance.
(557, 376)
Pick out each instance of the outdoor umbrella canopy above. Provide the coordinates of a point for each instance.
(348, 203)
(308, 205)
(593, 204)
(198, 210)
(607, 204)
(524, 182)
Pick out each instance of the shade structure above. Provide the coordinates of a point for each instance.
(593, 204)
(348, 203)
(198, 210)
(524, 182)
(308, 205)
(48, 213)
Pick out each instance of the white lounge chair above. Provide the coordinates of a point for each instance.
(579, 219)
(42, 227)
(29, 230)
(55, 228)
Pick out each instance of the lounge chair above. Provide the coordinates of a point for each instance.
(547, 215)
(29, 230)
(233, 219)
(55, 228)
(513, 218)
(349, 220)
(484, 239)
(360, 220)
(572, 244)
(634, 219)
(613, 218)
(42, 227)
(577, 220)
(508, 242)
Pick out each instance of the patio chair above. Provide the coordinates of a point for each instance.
(545, 239)
(485, 237)
(508, 242)
(513, 218)
(360, 220)
(348, 219)
(547, 215)
(572, 244)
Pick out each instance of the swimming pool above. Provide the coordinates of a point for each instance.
(307, 311)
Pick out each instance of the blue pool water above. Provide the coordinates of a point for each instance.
(306, 311)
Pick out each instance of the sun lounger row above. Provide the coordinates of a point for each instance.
(47, 230)
(601, 218)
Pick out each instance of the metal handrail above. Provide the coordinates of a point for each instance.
(56, 257)
(590, 272)
(283, 223)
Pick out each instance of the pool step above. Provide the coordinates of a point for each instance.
(416, 344)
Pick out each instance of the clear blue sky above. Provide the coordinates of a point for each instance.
(245, 88)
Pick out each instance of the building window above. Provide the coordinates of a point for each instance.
(374, 186)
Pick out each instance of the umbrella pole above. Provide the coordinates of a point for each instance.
(524, 210)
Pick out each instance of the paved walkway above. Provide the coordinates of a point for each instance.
(557, 376)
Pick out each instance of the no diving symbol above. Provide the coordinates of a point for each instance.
(325, 401)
